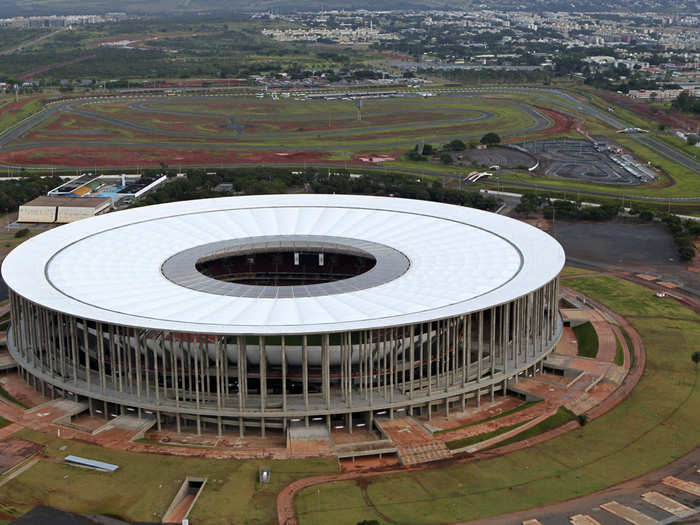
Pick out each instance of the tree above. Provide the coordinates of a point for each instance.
(490, 139)
(529, 203)
(646, 215)
(691, 140)
(457, 145)
(695, 356)
(446, 158)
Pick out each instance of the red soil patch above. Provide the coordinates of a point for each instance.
(562, 123)
(131, 156)
(81, 128)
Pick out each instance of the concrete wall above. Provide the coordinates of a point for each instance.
(37, 214)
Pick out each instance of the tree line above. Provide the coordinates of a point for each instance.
(200, 184)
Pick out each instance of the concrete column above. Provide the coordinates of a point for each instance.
(263, 381)
(392, 364)
(349, 369)
(412, 361)
(284, 375)
(173, 370)
(305, 373)
(155, 372)
(371, 372)
(429, 370)
(74, 348)
(492, 346)
(217, 349)
(480, 357)
(325, 358)
(240, 347)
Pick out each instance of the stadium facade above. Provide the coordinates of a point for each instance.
(254, 313)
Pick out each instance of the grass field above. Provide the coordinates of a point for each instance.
(472, 440)
(652, 427)
(243, 122)
(144, 485)
(562, 416)
(5, 394)
(619, 353)
(568, 271)
(503, 414)
(587, 340)
(12, 112)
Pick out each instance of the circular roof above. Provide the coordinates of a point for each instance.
(110, 268)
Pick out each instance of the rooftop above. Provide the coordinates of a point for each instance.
(111, 268)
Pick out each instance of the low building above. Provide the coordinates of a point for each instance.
(62, 209)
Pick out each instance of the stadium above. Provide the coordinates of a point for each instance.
(255, 314)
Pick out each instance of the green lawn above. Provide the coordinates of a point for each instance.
(619, 352)
(4, 393)
(563, 416)
(144, 485)
(656, 424)
(472, 440)
(8, 118)
(587, 340)
(627, 298)
(568, 271)
(504, 414)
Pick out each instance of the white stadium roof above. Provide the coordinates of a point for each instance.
(110, 268)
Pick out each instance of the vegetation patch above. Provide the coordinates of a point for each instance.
(504, 414)
(472, 440)
(4, 393)
(619, 352)
(563, 416)
(587, 340)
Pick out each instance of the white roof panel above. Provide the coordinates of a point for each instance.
(108, 268)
